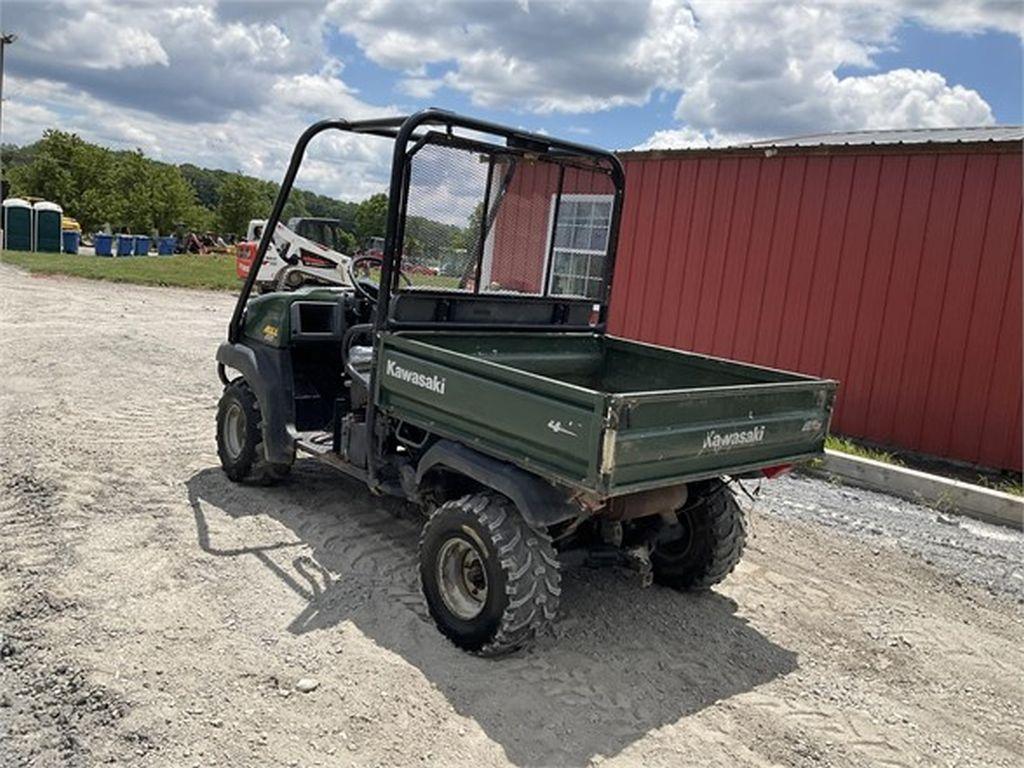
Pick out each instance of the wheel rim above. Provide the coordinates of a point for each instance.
(462, 578)
(234, 430)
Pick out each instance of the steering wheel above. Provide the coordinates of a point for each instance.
(365, 287)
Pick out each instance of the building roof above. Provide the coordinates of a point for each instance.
(900, 136)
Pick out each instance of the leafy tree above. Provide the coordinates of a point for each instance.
(371, 217)
(173, 200)
(98, 186)
(240, 201)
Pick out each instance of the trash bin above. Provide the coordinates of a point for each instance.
(141, 245)
(165, 245)
(17, 224)
(70, 238)
(47, 226)
(125, 245)
(104, 244)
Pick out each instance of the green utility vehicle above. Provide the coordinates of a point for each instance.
(492, 395)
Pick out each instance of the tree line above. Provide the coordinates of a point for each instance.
(102, 187)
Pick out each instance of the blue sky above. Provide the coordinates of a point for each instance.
(988, 62)
(231, 84)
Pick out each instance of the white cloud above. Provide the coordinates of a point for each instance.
(969, 16)
(232, 84)
(770, 70)
(125, 46)
(750, 69)
(904, 98)
(691, 138)
(420, 87)
(568, 56)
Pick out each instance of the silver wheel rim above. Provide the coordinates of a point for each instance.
(234, 430)
(462, 578)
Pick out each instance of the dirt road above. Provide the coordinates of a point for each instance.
(154, 614)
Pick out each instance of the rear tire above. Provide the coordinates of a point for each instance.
(240, 438)
(491, 581)
(713, 536)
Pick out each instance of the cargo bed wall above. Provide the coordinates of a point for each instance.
(540, 424)
(713, 431)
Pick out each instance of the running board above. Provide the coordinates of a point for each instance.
(320, 446)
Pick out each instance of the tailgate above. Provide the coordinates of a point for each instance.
(654, 438)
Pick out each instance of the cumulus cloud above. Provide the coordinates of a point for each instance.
(420, 87)
(569, 56)
(688, 137)
(770, 70)
(740, 68)
(231, 84)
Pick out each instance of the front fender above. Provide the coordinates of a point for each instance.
(268, 373)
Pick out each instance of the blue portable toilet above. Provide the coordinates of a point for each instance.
(141, 245)
(46, 226)
(17, 224)
(70, 239)
(125, 245)
(165, 245)
(104, 244)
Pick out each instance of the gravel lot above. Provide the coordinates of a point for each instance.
(153, 614)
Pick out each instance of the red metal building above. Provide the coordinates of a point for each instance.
(889, 260)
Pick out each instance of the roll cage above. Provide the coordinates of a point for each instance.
(436, 127)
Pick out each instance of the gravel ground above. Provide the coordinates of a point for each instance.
(989, 556)
(154, 614)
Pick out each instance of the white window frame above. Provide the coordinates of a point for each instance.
(548, 243)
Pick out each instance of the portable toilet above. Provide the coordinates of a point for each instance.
(17, 224)
(47, 226)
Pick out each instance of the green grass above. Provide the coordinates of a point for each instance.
(843, 445)
(1012, 486)
(216, 272)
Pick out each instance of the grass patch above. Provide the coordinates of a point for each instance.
(843, 445)
(215, 271)
(1012, 486)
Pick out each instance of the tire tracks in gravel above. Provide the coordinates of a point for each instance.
(815, 652)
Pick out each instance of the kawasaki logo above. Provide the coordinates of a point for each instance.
(715, 441)
(433, 383)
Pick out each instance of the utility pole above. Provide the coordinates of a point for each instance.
(6, 38)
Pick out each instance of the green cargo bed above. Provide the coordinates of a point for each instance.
(599, 413)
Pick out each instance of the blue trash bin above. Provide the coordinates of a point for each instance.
(165, 245)
(70, 240)
(103, 244)
(125, 245)
(141, 245)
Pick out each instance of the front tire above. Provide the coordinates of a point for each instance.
(240, 438)
(491, 581)
(708, 543)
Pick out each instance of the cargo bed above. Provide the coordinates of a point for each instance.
(599, 413)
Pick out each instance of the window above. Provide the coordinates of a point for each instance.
(581, 244)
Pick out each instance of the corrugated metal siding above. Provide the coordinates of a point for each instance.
(897, 274)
